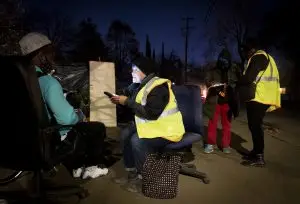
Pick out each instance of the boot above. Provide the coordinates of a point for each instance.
(257, 161)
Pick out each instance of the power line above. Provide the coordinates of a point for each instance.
(186, 31)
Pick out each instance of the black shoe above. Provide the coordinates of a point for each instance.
(257, 161)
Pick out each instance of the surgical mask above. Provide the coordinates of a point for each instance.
(135, 77)
(46, 65)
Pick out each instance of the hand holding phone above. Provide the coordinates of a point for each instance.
(110, 95)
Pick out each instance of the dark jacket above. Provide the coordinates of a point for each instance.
(129, 90)
(157, 100)
(230, 78)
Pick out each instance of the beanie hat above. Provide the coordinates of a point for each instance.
(146, 65)
(250, 43)
(33, 42)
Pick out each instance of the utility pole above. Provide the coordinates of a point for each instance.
(186, 31)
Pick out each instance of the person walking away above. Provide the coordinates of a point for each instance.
(260, 88)
(221, 102)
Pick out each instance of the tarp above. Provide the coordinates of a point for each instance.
(90, 81)
(73, 77)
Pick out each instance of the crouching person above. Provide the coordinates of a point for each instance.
(158, 122)
(88, 136)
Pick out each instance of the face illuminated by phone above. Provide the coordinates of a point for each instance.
(136, 74)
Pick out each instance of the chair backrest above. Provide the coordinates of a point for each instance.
(22, 114)
(190, 104)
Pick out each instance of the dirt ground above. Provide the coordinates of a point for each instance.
(278, 182)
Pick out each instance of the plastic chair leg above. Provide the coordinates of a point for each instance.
(190, 170)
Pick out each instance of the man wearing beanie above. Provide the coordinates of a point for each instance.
(157, 123)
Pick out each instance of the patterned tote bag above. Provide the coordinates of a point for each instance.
(160, 175)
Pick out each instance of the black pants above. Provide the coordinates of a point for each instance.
(255, 114)
(87, 143)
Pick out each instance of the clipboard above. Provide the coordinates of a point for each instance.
(215, 89)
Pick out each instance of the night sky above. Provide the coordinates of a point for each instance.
(161, 21)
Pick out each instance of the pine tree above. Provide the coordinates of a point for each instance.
(148, 47)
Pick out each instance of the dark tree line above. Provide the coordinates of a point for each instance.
(277, 28)
(280, 31)
(11, 26)
(74, 42)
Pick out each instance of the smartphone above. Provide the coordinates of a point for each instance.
(109, 94)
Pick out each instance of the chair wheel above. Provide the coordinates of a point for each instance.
(83, 194)
(206, 180)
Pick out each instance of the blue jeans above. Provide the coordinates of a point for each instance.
(135, 149)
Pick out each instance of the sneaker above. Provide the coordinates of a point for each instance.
(227, 150)
(94, 172)
(132, 176)
(209, 149)
(135, 186)
(77, 172)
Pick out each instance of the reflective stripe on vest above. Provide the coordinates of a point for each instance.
(164, 114)
(268, 78)
(144, 101)
(263, 78)
(146, 91)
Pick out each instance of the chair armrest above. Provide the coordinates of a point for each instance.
(49, 141)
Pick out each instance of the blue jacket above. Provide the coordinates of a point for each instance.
(53, 96)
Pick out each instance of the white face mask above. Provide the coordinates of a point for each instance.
(136, 78)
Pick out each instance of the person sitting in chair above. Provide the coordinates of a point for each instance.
(158, 121)
(90, 135)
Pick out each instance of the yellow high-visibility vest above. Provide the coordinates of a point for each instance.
(268, 87)
(169, 125)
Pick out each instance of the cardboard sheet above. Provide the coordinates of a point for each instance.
(102, 78)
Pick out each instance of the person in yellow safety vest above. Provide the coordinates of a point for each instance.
(261, 70)
(157, 120)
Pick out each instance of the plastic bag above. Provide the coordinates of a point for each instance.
(73, 77)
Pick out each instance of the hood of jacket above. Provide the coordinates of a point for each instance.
(224, 60)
